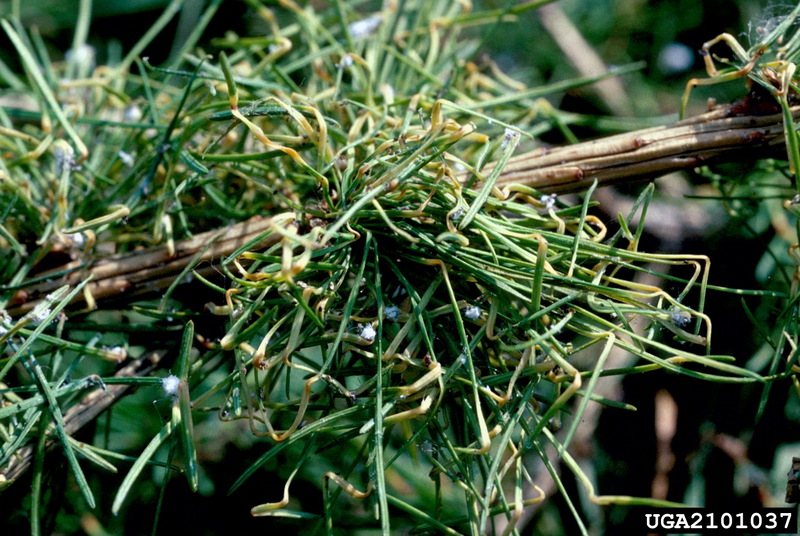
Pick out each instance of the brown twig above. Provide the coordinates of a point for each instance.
(146, 270)
(646, 154)
(633, 156)
(76, 417)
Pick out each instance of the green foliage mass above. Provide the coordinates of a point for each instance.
(396, 315)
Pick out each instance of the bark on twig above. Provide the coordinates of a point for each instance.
(646, 154)
(82, 413)
(146, 270)
(634, 156)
